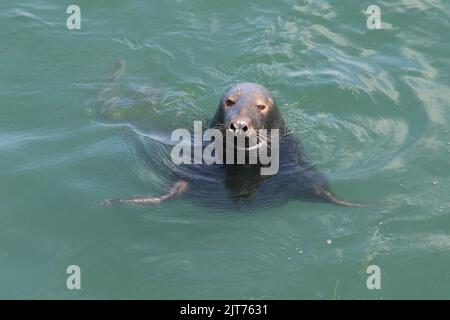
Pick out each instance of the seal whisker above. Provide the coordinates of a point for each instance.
(265, 140)
(220, 126)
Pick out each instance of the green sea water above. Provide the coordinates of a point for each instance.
(371, 108)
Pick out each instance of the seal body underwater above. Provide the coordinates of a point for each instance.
(243, 109)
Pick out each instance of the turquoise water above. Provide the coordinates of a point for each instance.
(370, 106)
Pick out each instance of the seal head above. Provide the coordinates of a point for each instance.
(248, 106)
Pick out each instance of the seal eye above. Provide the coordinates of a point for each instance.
(229, 102)
(261, 107)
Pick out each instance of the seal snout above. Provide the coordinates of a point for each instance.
(240, 125)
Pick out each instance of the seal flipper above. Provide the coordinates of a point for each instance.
(106, 95)
(326, 195)
(176, 189)
(118, 72)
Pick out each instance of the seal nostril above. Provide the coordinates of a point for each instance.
(232, 127)
(245, 128)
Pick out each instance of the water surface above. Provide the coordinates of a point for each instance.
(370, 106)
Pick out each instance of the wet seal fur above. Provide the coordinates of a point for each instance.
(249, 106)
